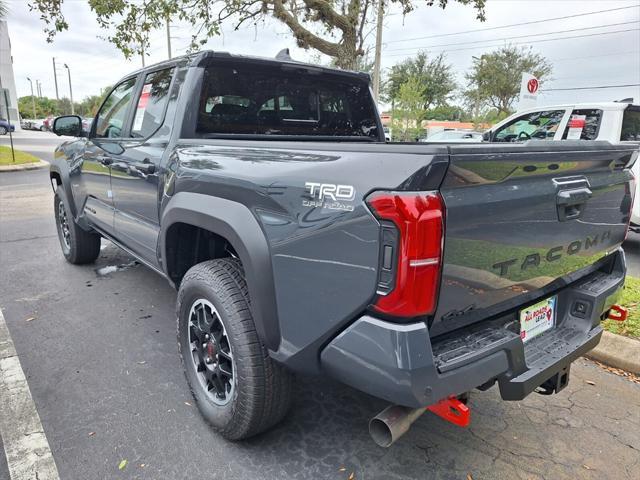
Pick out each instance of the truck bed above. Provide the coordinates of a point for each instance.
(501, 206)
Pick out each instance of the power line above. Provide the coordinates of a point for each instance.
(590, 88)
(523, 43)
(594, 56)
(635, 22)
(512, 25)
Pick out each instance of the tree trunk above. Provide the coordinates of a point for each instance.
(347, 57)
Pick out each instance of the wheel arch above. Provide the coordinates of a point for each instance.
(62, 184)
(234, 223)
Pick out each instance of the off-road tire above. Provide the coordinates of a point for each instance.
(262, 389)
(81, 246)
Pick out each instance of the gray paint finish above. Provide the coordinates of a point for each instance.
(312, 265)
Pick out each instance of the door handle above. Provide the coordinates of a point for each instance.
(570, 203)
(146, 166)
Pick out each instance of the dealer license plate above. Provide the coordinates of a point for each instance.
(537, 318)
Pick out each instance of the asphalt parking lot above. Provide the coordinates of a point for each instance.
(97, 345)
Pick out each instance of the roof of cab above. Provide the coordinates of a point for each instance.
(210, 56)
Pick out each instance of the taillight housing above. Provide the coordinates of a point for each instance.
(417, 254)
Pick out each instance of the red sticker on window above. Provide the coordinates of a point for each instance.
(144, 96)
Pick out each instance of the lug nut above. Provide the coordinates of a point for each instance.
(207, 360)
(206, 336)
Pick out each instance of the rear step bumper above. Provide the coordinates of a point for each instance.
(399, 362)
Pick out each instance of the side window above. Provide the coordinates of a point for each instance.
(532, 126)
(631, 126)
(112, 115)
(152, 102)
(583, 125)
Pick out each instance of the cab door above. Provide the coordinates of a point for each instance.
(91, 173)
(136, 174)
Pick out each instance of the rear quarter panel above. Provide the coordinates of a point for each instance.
(324, 254)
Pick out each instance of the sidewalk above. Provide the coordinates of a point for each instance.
(24, 166)
(618, 351)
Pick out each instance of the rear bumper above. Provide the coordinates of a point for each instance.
(401, 364)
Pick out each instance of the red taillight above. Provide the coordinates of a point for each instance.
(419, 218)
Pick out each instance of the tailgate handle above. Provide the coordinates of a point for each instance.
(571, 203)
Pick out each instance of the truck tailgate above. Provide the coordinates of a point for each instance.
(525, 219)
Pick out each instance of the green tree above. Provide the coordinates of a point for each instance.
(435, 76)
(89, 106)
(449, 112)
(44, 107)
(337, 28)
(494, 79)
(408, 111)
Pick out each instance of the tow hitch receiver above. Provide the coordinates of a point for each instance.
(618, 313)
(452, 410)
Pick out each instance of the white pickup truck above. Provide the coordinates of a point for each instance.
(612, 121)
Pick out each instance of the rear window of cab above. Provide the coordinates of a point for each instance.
(267, 100)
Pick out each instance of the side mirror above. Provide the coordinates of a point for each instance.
(68, 125)
(486, 136)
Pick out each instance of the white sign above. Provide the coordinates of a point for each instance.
(528, 91)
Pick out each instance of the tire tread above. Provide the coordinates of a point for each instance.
(265, 396)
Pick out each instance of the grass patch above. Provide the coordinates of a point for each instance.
(630, 299)
(21, 157)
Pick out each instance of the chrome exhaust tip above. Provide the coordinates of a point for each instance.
(392, 423)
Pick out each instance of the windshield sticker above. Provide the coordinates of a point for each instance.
(142, 107)
(576, 125)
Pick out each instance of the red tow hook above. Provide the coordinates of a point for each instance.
(452, 410)
(618, 313)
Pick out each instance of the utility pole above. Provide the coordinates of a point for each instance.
(70, 90)
(33, 99)
(55, 78)
(168, 38)
(39, 88)
(376, 65)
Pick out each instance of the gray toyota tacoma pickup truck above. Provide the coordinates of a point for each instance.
(299, 241)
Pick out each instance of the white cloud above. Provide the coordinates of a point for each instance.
(588, 61)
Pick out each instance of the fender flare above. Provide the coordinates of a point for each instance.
(65, 186)
(237, 224)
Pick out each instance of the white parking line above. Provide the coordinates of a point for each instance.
(25, 444)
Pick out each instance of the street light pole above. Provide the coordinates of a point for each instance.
(168, 38)
(55, 77)
(378, 53)
(70, 90)
(33, 99)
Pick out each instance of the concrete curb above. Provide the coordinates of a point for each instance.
(24, 166)
(617, 351)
